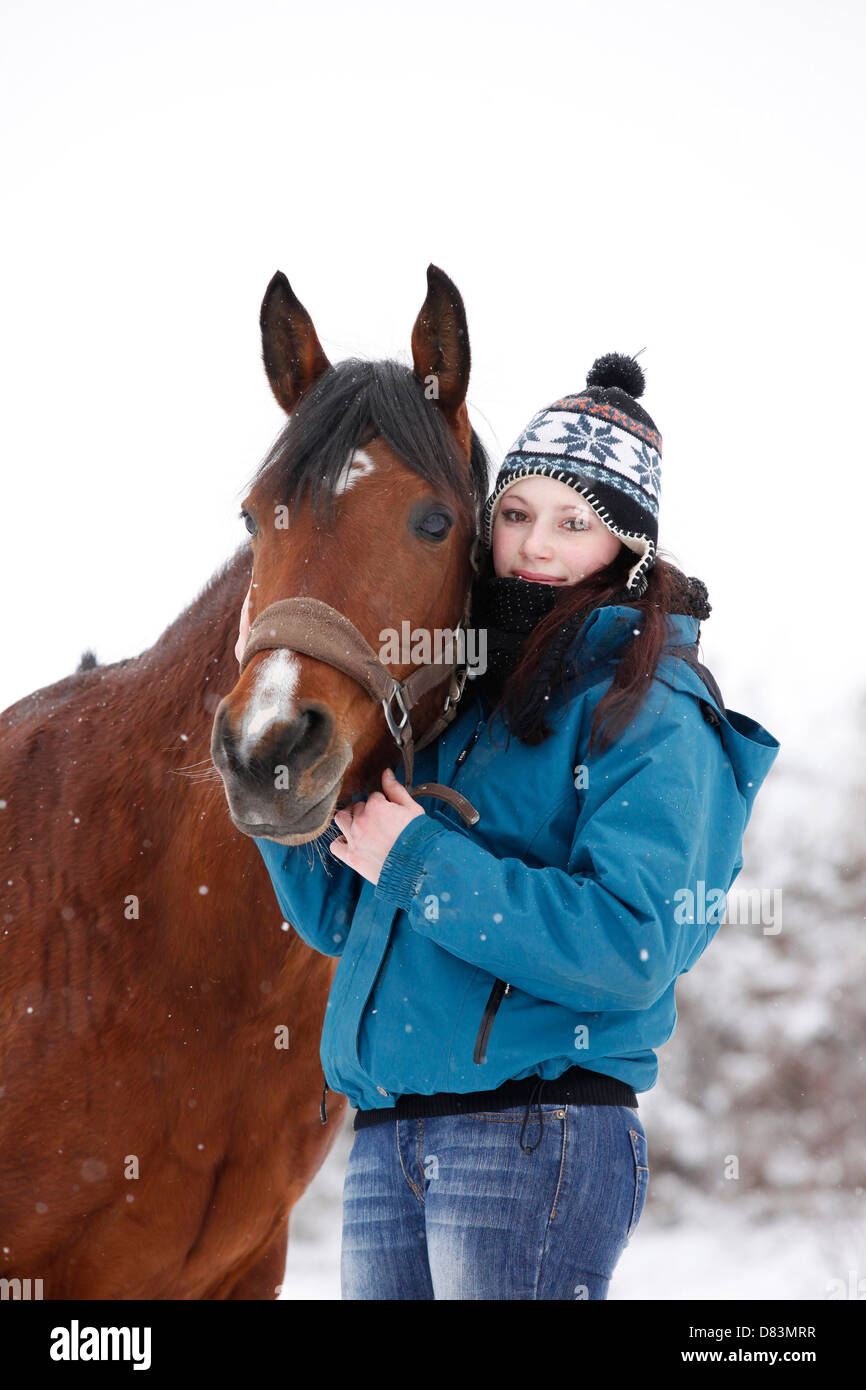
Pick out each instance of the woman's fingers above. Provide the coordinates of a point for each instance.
(343, 819)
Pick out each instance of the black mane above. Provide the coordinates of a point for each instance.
(349, 405)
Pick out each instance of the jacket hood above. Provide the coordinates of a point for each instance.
(752, 750)
(607, 630)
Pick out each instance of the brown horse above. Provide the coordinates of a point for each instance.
(155, 1131)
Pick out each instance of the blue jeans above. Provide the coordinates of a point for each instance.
(452, 1207)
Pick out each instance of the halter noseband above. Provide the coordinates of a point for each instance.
(310, 626)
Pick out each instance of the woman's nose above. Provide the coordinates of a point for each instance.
(536, 542)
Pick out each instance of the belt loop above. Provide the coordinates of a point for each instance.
(534, 1096)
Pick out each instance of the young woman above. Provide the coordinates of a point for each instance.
(502, 988)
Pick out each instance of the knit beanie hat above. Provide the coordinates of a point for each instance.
(605, 446)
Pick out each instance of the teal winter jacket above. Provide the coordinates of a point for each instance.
(552, 932)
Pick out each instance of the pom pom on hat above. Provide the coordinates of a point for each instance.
(616, 369)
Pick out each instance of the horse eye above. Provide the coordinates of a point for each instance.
(436, 525)
(249, 523)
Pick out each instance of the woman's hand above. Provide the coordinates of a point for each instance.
(371, 827)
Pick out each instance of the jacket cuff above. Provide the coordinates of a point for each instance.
(403, 870)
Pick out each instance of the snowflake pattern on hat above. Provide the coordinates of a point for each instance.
(598, 440)
(649, 468)
(571, 436)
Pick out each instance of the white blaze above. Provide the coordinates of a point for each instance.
(272, 696)
(358, 465)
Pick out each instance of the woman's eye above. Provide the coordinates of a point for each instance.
(582, 523)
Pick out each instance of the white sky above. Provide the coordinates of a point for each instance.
(670, 176)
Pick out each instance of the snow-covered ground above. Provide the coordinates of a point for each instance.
(734, 1249)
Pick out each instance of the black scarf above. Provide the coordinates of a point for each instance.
(509, 608)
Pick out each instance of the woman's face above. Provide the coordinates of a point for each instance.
(546, 532)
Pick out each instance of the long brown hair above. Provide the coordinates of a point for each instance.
(542, 658)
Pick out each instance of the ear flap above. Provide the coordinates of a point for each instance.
(291, 351)
(440, 351)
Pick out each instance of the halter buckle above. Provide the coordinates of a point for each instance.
(396, 729)
(455, 689)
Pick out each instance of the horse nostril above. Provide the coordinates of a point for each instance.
(286, 750)
(307, 737)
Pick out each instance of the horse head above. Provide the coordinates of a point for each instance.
(366, 509)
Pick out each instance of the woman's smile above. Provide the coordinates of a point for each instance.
(537, 578)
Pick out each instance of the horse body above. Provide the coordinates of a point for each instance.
(160, 1080)
(139, 1038)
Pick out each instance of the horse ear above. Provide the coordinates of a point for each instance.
(440, 352)
(291, 351)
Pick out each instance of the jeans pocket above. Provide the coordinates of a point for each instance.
(641, 1177)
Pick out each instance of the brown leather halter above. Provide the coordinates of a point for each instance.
(313, 627)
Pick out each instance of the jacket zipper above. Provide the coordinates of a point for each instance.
(322, 1111)
(464, 752)
(497, 994)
